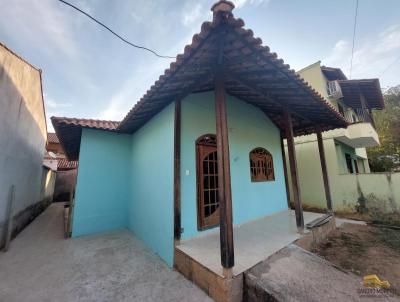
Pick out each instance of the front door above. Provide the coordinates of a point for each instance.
(207, 182)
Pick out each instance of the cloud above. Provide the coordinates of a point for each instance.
(53, 104)
(371, 56)
(241, 3)
(191, 13)
(129, 92)
(41, 24)
(143, 75)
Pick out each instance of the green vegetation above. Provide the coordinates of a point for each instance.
(386, 157)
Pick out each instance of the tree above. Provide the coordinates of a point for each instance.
(386, 157)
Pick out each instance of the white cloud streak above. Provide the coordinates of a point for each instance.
(192, 12)
(39, 23)
(241, 3)
(371, 57)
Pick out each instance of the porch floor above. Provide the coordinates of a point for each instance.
(254, 241)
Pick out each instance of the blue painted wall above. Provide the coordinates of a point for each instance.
(151, 205)
(248, 128)
(127, 180)
(102, 190)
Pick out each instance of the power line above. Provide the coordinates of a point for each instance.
(114, 33)
(389, 66)
(354, 38)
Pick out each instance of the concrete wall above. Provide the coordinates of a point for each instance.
(22, 134)
(151, 204)
(48, 184)
(248, 128)
(347, 189)
(103, 183)
(377, 190)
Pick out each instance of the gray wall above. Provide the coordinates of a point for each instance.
(22, 134)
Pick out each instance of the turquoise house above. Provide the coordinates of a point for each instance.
(202, 149)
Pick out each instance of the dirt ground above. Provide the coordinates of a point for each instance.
(364, 250)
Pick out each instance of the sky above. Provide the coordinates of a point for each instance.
(88, 73)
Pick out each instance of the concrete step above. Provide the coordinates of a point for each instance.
(294, 274)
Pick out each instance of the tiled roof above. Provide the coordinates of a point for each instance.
(369, 88)
(333, 74)
(87, 123)
(253, 74)
(69, 132)
(52, 138)
(65, 164)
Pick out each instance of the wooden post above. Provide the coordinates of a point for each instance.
(293, 172)
(285, 171)
(324, 171)
(177, 172)
(224, 176)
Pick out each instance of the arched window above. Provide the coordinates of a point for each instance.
(261, 165)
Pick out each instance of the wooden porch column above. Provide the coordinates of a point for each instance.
(324, 171)
(293, 172)
(285, 171)
(177, 172)
(224, 176)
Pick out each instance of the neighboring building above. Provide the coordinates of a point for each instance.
(55, 154)
(347, 163)
(22, 142)
(66, 169)
(53, 144)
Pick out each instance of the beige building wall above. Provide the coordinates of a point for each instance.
(22, 134)
(315, 78)
(348, 190)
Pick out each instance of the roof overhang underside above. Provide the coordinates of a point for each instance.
(333, 74)
(369, 88)
(69, 132)
(252, 74)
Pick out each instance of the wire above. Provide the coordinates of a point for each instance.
(114, 33)
(354, 38)
(389, 66)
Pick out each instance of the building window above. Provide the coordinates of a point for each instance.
(261, 165)
(349, 163)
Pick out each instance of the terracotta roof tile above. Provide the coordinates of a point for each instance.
(65, 164)
(52, 138)
(87, 123)
(69, 132)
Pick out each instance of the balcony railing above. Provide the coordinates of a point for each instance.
(359, 115)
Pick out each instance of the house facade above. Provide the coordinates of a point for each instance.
(350, 179)
(202, 150)
(22, 141)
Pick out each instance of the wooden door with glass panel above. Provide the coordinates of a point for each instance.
(207, 182)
